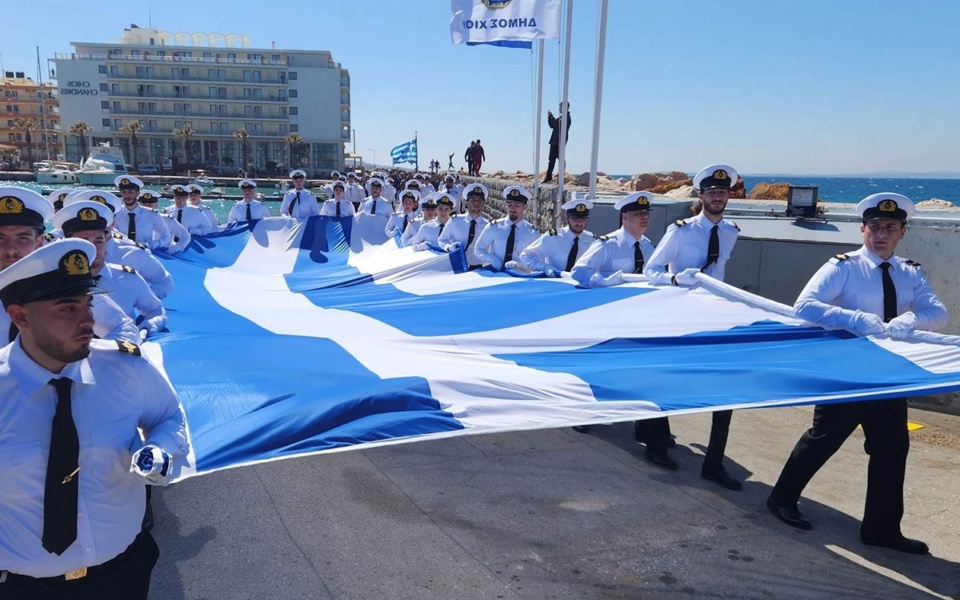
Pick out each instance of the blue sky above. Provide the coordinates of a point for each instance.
(768, 86)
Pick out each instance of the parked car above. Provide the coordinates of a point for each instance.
(148, 170)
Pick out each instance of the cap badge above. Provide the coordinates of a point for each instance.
(720, 175)
(643, 201)
(87, 214)
(75, 263)
(581, 208)
(887, 206)
(124, 181)
(11, 205)
(99, 199)
(62, 196)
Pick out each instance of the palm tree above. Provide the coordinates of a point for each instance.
(185, 133)
(242, 135)
(132, 128)
(26, 126)
(81, 130)
(296, 148)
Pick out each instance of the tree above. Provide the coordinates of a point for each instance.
(81, 130)
(132, 128)
(26, 126)
(243, 136)
(296, 149)
(185, 133)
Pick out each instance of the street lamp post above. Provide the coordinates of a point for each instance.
(374, 156)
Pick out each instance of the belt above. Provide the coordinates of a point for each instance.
(76, 574)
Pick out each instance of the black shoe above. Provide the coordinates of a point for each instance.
(899, 543)
(660, 459)
(721, 477)
(581, 428)
(788, 514)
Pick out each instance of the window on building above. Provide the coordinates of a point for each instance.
(207, 56)
(161, 53)
(232, 56)
(151, 108)
(151, 90)
(283, 112)
(135, 53)
(248, 111)
(177, 124)
(106, 122)
(114, 71)
(12, 136)
(293, 75)
(258, 111)
(187, 108)
(104, 87)
(293, 93)
(247, 93)
(186, 91)
(255, 57)
(177, 108)
(102, 69)
(222, 93)
(140, 72)
(283, 77)
(149, 72)
(283, 129)
(9, 122)
(294, 128)
(258, 129)
(294, 111)
(152, 125)
(116, 106)
(117, 124)
(282, 95)
(105, 104)
(115, 89)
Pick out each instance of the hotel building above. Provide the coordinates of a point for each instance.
(27, 102)
(216, 88)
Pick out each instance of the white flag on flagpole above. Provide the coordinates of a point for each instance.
(492, 21)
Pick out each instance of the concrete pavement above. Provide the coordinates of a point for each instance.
(556, 514)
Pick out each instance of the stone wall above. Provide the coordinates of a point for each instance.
(540, 210)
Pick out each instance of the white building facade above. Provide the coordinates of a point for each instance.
(206, 101)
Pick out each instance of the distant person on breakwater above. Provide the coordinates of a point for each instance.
(555, 124)
(478, 158)
(468, 157)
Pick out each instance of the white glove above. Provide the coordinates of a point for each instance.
(610, 280)
(453, 247)
(151, 463)
(902, 326)
(420, 247)
(511, 264)
(143, 335)
(686, 277)
(864, 323)
(551, 272)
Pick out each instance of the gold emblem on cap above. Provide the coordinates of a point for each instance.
(720, 175)
(87, 214)
(643, 201)
(99, 199)
(146, 196)
(514, 193)
(75, 263)
(887, 206)
(11, 205)
(581, 208)
(124, 181)
(62, 196)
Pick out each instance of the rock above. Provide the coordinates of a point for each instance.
(665, 186)
(937, 204)
(684, 191)
(584, 179)
(769, 191)
(649, 181)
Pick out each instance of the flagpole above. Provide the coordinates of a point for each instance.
(539, 115)
(416, 154)
(565, 109)
(597, 95)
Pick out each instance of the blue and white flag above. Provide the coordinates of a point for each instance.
(513, 23)
(406, 152)
(285, 342)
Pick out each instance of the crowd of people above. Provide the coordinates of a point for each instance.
(80, 299)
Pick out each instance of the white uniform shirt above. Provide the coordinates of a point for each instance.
(144, 262)
(133, 295)
(387, 191)
(330, 208)
(685, 245)
(855, 283)
(113, 394)
(395, 223)
(412, 228)
(607, 255)
(455, 194)
(212, 218)
(429, 232)
(491, 244)
(458, 230)
(190, 217)
(553, 248)
(354, 193)
(238, 213)
(305, 207)
(383, 207)
(179, 236)
(151, 231)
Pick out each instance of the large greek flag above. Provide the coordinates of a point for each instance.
(285, 342)
(513, 23)
(404, 153)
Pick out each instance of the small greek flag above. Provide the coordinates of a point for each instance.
(406, 152)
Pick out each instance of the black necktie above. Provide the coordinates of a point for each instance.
(296, 200)
(713, 248)
(249, 213)
(889, 294)
(179, 215)
(338, 208)
(404, 223)
(63, 481)
(508, 255)
(472, 233)
(132, 227)
(373, 208)
(637, 257)
(441, 227)
(572, 257)
(13, 332)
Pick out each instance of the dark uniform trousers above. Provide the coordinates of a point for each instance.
(887, 443)
(124, 577)
(655, 433)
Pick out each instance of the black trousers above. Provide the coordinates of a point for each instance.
(126, 577)
(552, 159)
(655, 433)
(887, 443)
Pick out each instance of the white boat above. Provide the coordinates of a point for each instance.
(103, 166)
(203, 181)
(49, 172)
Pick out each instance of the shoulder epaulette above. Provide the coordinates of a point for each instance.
(737, 227)
(48, 237)
(142, 246)
(679, 222)
(553, 232)
(117, 234)
(604, 238)
(128, 347)
(912, 263)
(841, 257)
(129, 269)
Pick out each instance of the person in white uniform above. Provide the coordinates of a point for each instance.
(504, 239)
(249, 208)
(463, 230)
(558, 250)
(299, 202)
